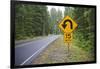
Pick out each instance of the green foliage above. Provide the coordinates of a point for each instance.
(31, 20)
(84, 35)
(35, 20)
(85, 18)
(55, 18)
(68, 11)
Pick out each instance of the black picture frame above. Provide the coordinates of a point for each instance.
(12, 35)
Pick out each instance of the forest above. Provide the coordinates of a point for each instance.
(35, 20)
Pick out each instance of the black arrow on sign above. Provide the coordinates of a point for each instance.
(64, 24)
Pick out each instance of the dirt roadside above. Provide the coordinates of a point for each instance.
(57, 52)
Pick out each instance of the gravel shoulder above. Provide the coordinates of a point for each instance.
(57, 52)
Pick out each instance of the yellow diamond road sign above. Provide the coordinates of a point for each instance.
(68, 25)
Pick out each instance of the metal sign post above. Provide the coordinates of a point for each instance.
(68, 45)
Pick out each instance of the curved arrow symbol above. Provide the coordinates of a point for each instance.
(64, 24)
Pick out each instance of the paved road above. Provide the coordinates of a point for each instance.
(26, 52)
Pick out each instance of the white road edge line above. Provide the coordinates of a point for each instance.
(31, 56)
(35, 53)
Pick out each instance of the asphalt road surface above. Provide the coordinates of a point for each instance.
(28, 51)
